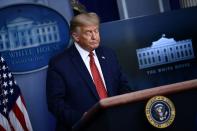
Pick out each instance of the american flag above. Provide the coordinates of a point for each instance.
(13, 113)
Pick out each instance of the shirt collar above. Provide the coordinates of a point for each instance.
(84, 54)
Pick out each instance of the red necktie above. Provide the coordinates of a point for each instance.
(97, 78)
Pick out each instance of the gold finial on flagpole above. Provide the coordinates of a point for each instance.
(77, 6)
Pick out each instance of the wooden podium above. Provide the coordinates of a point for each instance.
(127, 112)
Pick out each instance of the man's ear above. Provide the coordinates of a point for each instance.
(75, 36)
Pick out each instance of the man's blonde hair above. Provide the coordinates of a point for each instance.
(84, 19)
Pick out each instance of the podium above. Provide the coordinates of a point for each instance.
(127, 112)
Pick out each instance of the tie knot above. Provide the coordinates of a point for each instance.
(91, 54)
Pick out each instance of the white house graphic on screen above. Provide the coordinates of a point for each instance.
(25, 33)
(163, 51)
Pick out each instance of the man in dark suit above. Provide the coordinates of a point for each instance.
(83, 74)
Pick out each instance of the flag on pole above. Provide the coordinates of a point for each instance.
(13, 113)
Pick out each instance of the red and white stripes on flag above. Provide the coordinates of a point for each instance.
(18, 118)
(13, 113)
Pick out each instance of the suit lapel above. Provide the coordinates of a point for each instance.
(103, 60)
(83, 71)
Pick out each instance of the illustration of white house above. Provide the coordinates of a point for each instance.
(163, 51)
(25, 33)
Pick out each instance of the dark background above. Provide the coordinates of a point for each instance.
(108, 9)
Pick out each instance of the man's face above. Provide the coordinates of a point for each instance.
(88, 37)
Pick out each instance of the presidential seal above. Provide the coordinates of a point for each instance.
(160, 112)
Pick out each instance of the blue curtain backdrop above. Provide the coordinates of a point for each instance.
(106, 9)
(174, 4)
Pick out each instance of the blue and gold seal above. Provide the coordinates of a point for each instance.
(160, 111)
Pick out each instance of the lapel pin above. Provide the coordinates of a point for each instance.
(103, 57)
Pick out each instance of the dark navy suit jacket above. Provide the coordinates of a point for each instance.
(70, 88)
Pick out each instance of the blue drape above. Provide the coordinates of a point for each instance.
(174, 4)
(106, 9)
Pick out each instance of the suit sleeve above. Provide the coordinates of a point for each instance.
(56, 98)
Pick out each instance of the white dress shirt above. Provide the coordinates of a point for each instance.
(86, 59)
